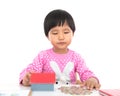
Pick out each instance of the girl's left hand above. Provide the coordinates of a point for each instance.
(91, 83)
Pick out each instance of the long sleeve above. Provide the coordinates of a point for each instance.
(83, 70)
(36, 66)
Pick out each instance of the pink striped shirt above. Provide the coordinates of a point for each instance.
(42, 64)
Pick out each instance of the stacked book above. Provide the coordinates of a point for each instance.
(109, 92)
(42, 81)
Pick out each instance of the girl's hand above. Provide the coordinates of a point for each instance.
(91, 83)
(78, 82)
(26, 79)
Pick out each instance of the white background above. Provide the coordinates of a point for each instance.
(97, 36)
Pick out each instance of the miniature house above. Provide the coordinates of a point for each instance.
(42, 81)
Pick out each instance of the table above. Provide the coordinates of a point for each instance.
(19, 90)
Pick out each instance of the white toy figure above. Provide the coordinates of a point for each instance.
(62, 77)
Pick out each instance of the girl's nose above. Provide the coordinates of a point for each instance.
(61, 36)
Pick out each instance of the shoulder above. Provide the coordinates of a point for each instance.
(76, 55)
(44, 52)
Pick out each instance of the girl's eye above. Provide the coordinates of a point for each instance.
(54, 33)
(66, 32)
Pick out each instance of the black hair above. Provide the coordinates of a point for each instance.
(57, 18)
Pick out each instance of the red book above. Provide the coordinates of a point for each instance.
(42, 78)
(109, 92)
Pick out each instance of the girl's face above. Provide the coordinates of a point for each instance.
(60, 37)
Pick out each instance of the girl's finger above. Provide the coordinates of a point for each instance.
(97, 86)
(78, 82)
(91, 86)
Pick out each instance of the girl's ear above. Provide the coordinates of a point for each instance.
(48, 37)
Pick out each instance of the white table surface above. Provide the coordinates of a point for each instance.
(18, 90)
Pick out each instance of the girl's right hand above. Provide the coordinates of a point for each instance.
(26, 79)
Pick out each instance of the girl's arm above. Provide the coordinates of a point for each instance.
(36, 66)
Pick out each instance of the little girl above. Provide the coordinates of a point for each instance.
(59, 28)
